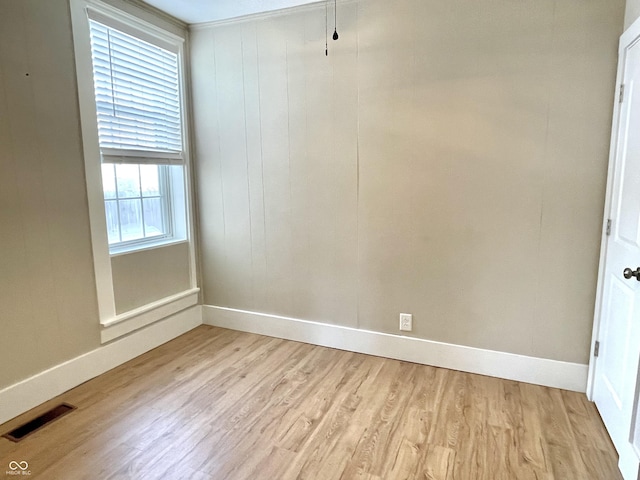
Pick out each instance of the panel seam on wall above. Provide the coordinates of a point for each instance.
(246, 157)
(286, 61)
(358, 263)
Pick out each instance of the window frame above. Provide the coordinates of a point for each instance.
(158, 28)
(161, 39)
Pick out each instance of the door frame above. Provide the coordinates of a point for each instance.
(628, 464)
(630, 36)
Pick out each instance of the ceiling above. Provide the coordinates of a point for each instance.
(202, 11)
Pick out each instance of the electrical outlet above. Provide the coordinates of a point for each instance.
(406, 322)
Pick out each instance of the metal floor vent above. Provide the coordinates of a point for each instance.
(37, 423)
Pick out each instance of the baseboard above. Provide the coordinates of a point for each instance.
(31, 392)
(540, 371)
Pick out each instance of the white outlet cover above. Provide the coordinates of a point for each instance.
(406, 322)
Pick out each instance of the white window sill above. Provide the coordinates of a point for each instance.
(165, 242)
(127, 322)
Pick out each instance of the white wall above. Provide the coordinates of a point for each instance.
(447, 159)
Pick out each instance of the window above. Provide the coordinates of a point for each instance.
(136, 202)
(129, 69)
(137, 95)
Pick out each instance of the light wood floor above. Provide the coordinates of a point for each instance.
(218, 404)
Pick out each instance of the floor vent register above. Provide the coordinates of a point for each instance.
(37, 423)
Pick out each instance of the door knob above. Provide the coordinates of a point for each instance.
(628, 273)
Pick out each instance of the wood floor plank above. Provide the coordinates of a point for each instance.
(374, 453)
(264, 461)
(236, 413)
(310, 413)
(585, 421)
(294, 386)
(405, 460)
(218, 404)
(312, 460)
(438, 463)
(530, 436)
(600, 463)
(558, 436)
(92, 460)
(449, 415)
(472, 448)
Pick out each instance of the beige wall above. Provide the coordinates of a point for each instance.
(48, 305)
(448, 159)
(632, 12)
(144, 277)
(464, 184)
(48, 309)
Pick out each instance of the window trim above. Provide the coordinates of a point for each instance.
(160, 30)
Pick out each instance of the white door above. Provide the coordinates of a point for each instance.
(618, 333)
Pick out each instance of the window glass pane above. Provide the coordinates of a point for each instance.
(113, 229)
(108, 181)
(150, 180)
(153, 217)
(131, 220)
(128, 179)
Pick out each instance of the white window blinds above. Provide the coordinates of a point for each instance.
(137, 98)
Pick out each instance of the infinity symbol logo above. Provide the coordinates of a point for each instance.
(18, 465)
